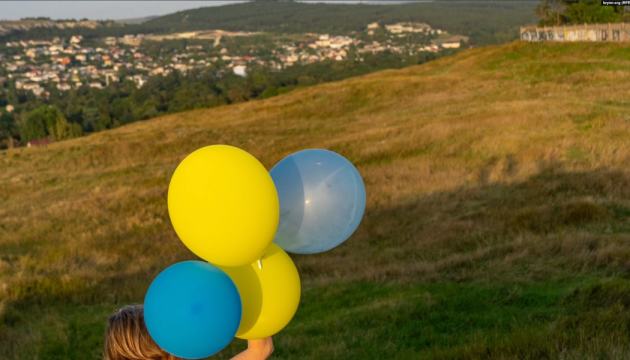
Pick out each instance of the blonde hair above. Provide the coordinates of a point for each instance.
(127, 337)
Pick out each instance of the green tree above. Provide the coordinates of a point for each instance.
(558, 12)
(551, 12)
(37, 125)
(12, 94)
(90, 117)
(7, 129)
(48, 121)
(65, 130)
(580, 12)
(269, 92)
(122, 72)
(306, 80)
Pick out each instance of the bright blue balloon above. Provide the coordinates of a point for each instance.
(322, 201)
(192, 309)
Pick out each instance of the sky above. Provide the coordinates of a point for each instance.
(105, 10)
(97, 10)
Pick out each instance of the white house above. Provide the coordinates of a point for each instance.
(38, 91)
(53, 77)
(394, 29)
(451, 44)
(29, 86)
(156, 71)
(111, 77)
(323, 42)
(181, 67)
(140, 81)
(240, 70)
(34, 52)
(55, 48)
(340, 41)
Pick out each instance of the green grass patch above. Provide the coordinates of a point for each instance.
(360, 320)
(491, 215)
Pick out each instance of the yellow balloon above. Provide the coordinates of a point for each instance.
(223, 205)
(270, 295)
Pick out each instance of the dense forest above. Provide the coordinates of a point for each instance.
(86, 110)
(486, 22)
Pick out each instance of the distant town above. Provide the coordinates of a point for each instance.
(71, 64)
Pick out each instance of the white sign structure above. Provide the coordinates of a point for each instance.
(587, 32)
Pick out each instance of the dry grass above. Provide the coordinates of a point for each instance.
(499, 164)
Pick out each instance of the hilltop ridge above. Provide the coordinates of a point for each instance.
(25, 25)
(486, 22)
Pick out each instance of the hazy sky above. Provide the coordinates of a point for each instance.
(103, 10)
(97, 10)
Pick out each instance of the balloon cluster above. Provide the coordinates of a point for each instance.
(228, 210)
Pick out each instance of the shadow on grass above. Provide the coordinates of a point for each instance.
(496, 271)
(552, 225)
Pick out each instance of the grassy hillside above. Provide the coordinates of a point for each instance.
(497, 224)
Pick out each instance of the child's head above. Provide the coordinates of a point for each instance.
(128, 338)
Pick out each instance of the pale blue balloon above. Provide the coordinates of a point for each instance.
(192, 309)
(322, 201)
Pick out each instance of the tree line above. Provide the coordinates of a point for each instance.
(563, 12)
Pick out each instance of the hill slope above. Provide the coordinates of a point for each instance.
(497, 224)
(481, 19)
(487, 22)
(25, 25)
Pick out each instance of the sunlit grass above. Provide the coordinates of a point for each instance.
(498, 202)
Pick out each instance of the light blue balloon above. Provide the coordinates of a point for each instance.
(192, 309)
(322, 201)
